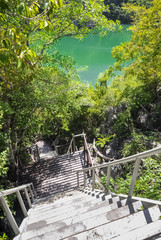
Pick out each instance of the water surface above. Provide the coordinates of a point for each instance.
(93, 51)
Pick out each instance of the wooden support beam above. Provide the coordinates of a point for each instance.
(28, 198)
(77, 178)
(108, 177)
(31, 193)
(84, 175)
(134, 176)
(33, 189)
(21, 203)
(9, 215)
(74, 145)
(93, 179)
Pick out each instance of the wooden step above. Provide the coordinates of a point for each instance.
(143, 232)
(64, 229)
(63, 213)
(73, 204)
(118, 227)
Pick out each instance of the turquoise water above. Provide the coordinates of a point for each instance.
(93, 52)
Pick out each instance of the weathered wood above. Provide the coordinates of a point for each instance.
(31, 193)
(37, 153)
(70, 146)
(89, 158)
(84, 176)
(33, 189)
(13, 190)
(108, 177)
(129, 159)
(21, 203)
(78, 179)
(100, 154)
(74, 145)
(79, 135)
(28, 198)
(134, 176)
(93, 179)
(9, 215)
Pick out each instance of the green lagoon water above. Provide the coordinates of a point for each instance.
(93, 52)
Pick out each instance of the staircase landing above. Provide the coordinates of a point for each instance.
(54, 175)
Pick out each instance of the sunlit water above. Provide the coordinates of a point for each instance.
(93, 52)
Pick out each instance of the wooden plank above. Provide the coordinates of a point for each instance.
(21, 203)
(9, 215)
(134, 176)
(27, 197)
(13, 190)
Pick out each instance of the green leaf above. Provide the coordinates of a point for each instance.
(27, 11)
(60, 3)
(19, 63)
(21, 7)
(3, 58)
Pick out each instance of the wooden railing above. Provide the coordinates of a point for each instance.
(72, 148)
(30, 196)
(137, 158)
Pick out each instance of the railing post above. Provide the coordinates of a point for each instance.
(93, 179)
(33, 189)
(9, 216)
(84, 151)
(84, 174)
(31, 193)
(134, 176)
(73, 145)
(28, 198)
(21, 203)
(38, 153)
(77, 179)
(71, 148)
(108, 177)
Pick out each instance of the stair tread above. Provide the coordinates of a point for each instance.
(105, 231)
(124, 225)
(144, 232)
(66, 201)
(82, 220)
(72, 206)
(65, 213)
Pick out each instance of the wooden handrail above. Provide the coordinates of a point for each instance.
(136, 157)
(72, 147)
(13, 190)
(6, 208)
(89, 158)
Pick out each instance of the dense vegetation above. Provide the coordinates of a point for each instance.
(41, 95)
(135, 96)
(116, 12)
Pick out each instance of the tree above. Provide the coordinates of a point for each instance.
(28, 73)
(140, 57)
(118, 13)
(138, 60)
(139, 63)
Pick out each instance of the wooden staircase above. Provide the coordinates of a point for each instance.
(92, 215)
(63, 212)
(54, 175)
